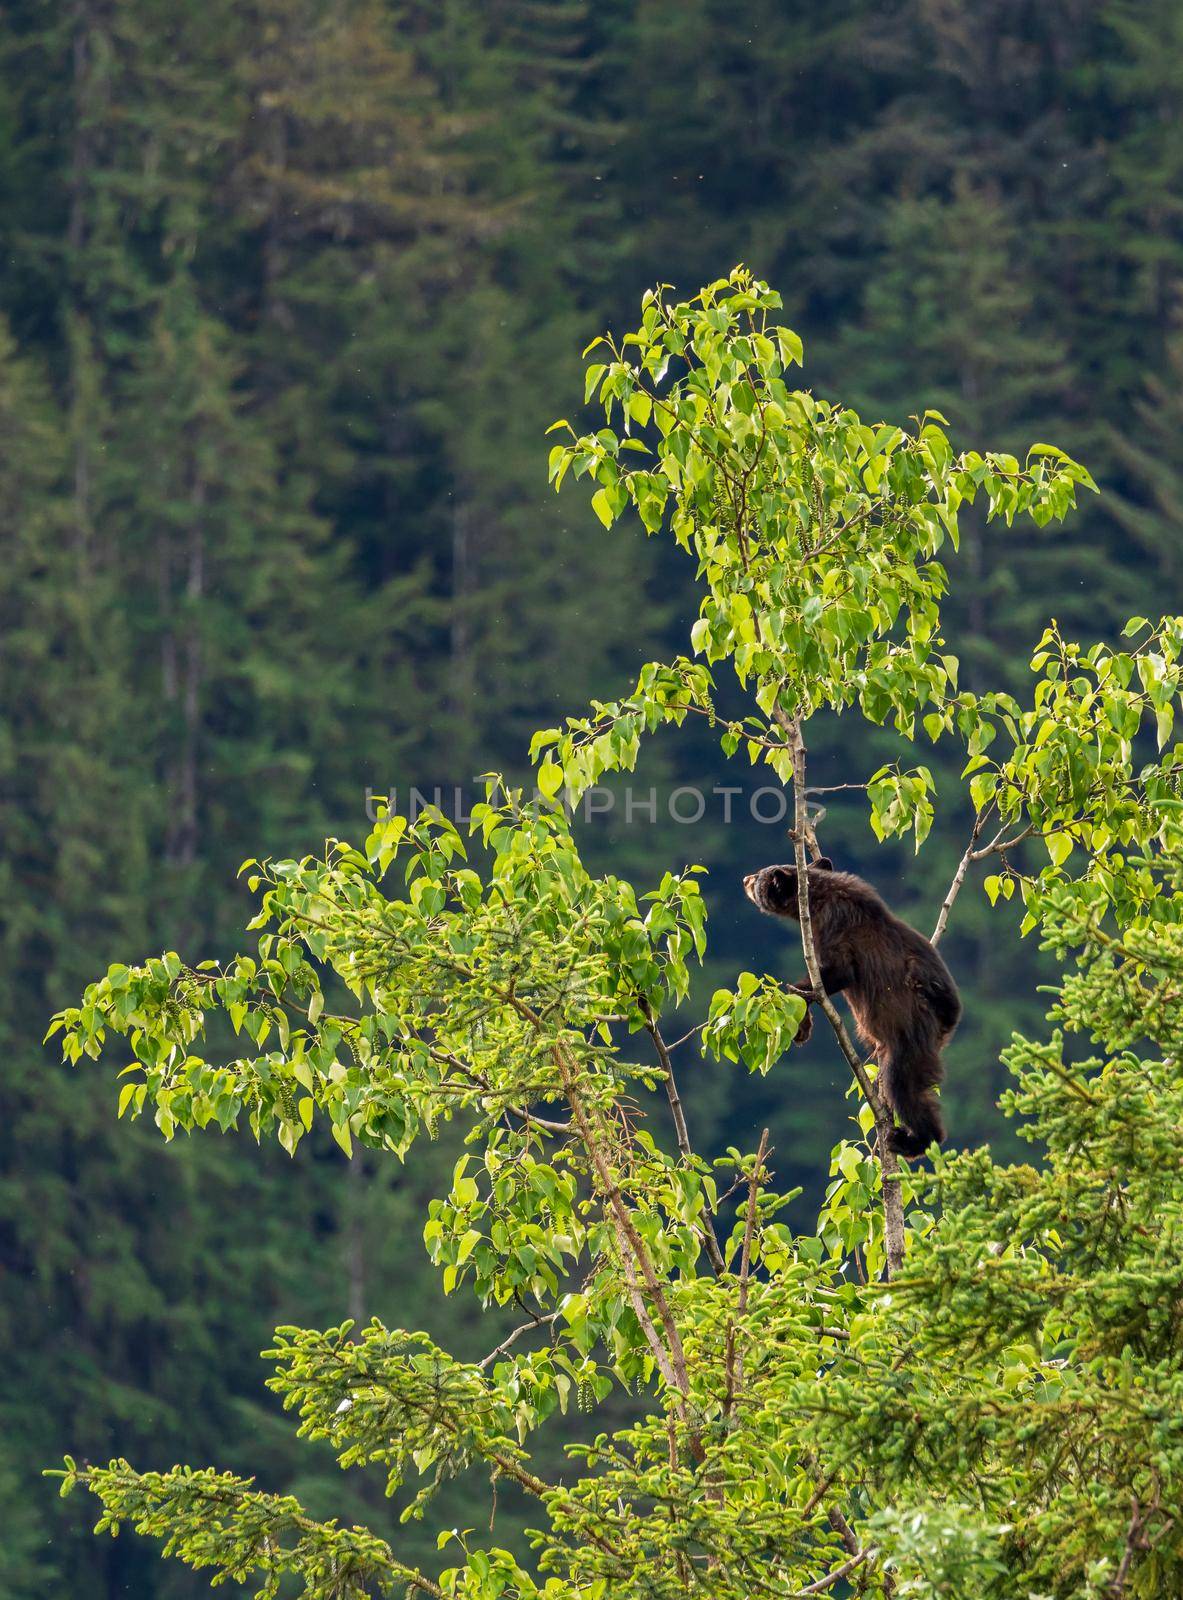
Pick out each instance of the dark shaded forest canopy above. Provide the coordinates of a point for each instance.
(290, 293)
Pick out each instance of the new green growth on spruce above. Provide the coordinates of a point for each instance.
(967, 1380)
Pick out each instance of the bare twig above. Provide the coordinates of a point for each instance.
(836, 1576)
(525, 1327)
(707, 1231)
(1134, 1542)
(689, 1034)
(1139, 1539)
(998, 846)
(958, 879)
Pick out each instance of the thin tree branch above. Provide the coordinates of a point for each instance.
(843, 1529)
(707, 1231)
(834, 1577)
(689, 1034)
(745, 1259)
(1133, 1543)
(999, 846)
(733, 1359)
(670, 1355)
(958, 879)
(480, 1081)
(525, 1327)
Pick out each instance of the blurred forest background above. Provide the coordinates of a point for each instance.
(290, 290)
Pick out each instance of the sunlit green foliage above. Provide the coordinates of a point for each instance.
(328, 264)
(999, 1412)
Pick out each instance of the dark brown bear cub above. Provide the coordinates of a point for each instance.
(904, 1002)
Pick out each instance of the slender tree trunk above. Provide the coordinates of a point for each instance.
(81, 163)
(182, 676)
(461, 620)
(188, 785)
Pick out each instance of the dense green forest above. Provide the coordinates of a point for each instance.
(290, 294)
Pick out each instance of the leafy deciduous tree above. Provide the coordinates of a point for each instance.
(966, 1380)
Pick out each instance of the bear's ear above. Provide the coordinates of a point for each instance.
(824, 864)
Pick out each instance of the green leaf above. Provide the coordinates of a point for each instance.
(1059, 848)
(792, 352)
(602, 507)
(640, 408)
(550, 779)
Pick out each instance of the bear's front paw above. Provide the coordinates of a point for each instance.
(806, 1028)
